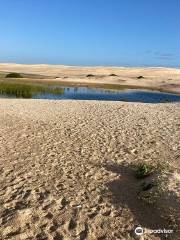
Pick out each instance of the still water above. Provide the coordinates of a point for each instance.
(129, 95)
(85, 93)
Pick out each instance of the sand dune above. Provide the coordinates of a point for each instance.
(65, 169)
(167, 79)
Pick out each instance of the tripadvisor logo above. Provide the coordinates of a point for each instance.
(139, 231)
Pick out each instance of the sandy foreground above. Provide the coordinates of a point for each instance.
(66, 169)
(166, 79)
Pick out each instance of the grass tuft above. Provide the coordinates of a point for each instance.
(14, 75)
(90, 75)
(112, 75)
(20, 90)
(143, 170)
(140, 77)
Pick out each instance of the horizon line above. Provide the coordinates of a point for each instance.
(90, 66)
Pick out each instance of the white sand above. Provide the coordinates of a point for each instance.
(65, 173)
(167, 79)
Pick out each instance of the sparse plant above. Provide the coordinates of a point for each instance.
(143, 170)
(140, 77)
(14, 75)
(113, 75)
(151, 190)
(90, 75)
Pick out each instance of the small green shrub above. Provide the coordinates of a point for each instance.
(90, 75)
(113, 75)
(143, 170)
(140, 77)
(14, 75)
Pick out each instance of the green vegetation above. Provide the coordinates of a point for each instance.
(140, 77)
(90, 75)
(143, 170)
(112, 75)
(22, 90)
(154, 186)
(14, 75)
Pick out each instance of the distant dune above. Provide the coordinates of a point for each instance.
(160, 78)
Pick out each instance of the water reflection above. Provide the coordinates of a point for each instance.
(83, 93)
(129, 95)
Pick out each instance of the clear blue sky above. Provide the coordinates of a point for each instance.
(91, 32)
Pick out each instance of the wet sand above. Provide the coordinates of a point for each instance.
(66, 169)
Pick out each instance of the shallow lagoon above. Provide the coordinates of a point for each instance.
(84, 93)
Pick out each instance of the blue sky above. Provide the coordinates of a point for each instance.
(91, 32)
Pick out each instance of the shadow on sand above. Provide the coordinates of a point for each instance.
(125, 195)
